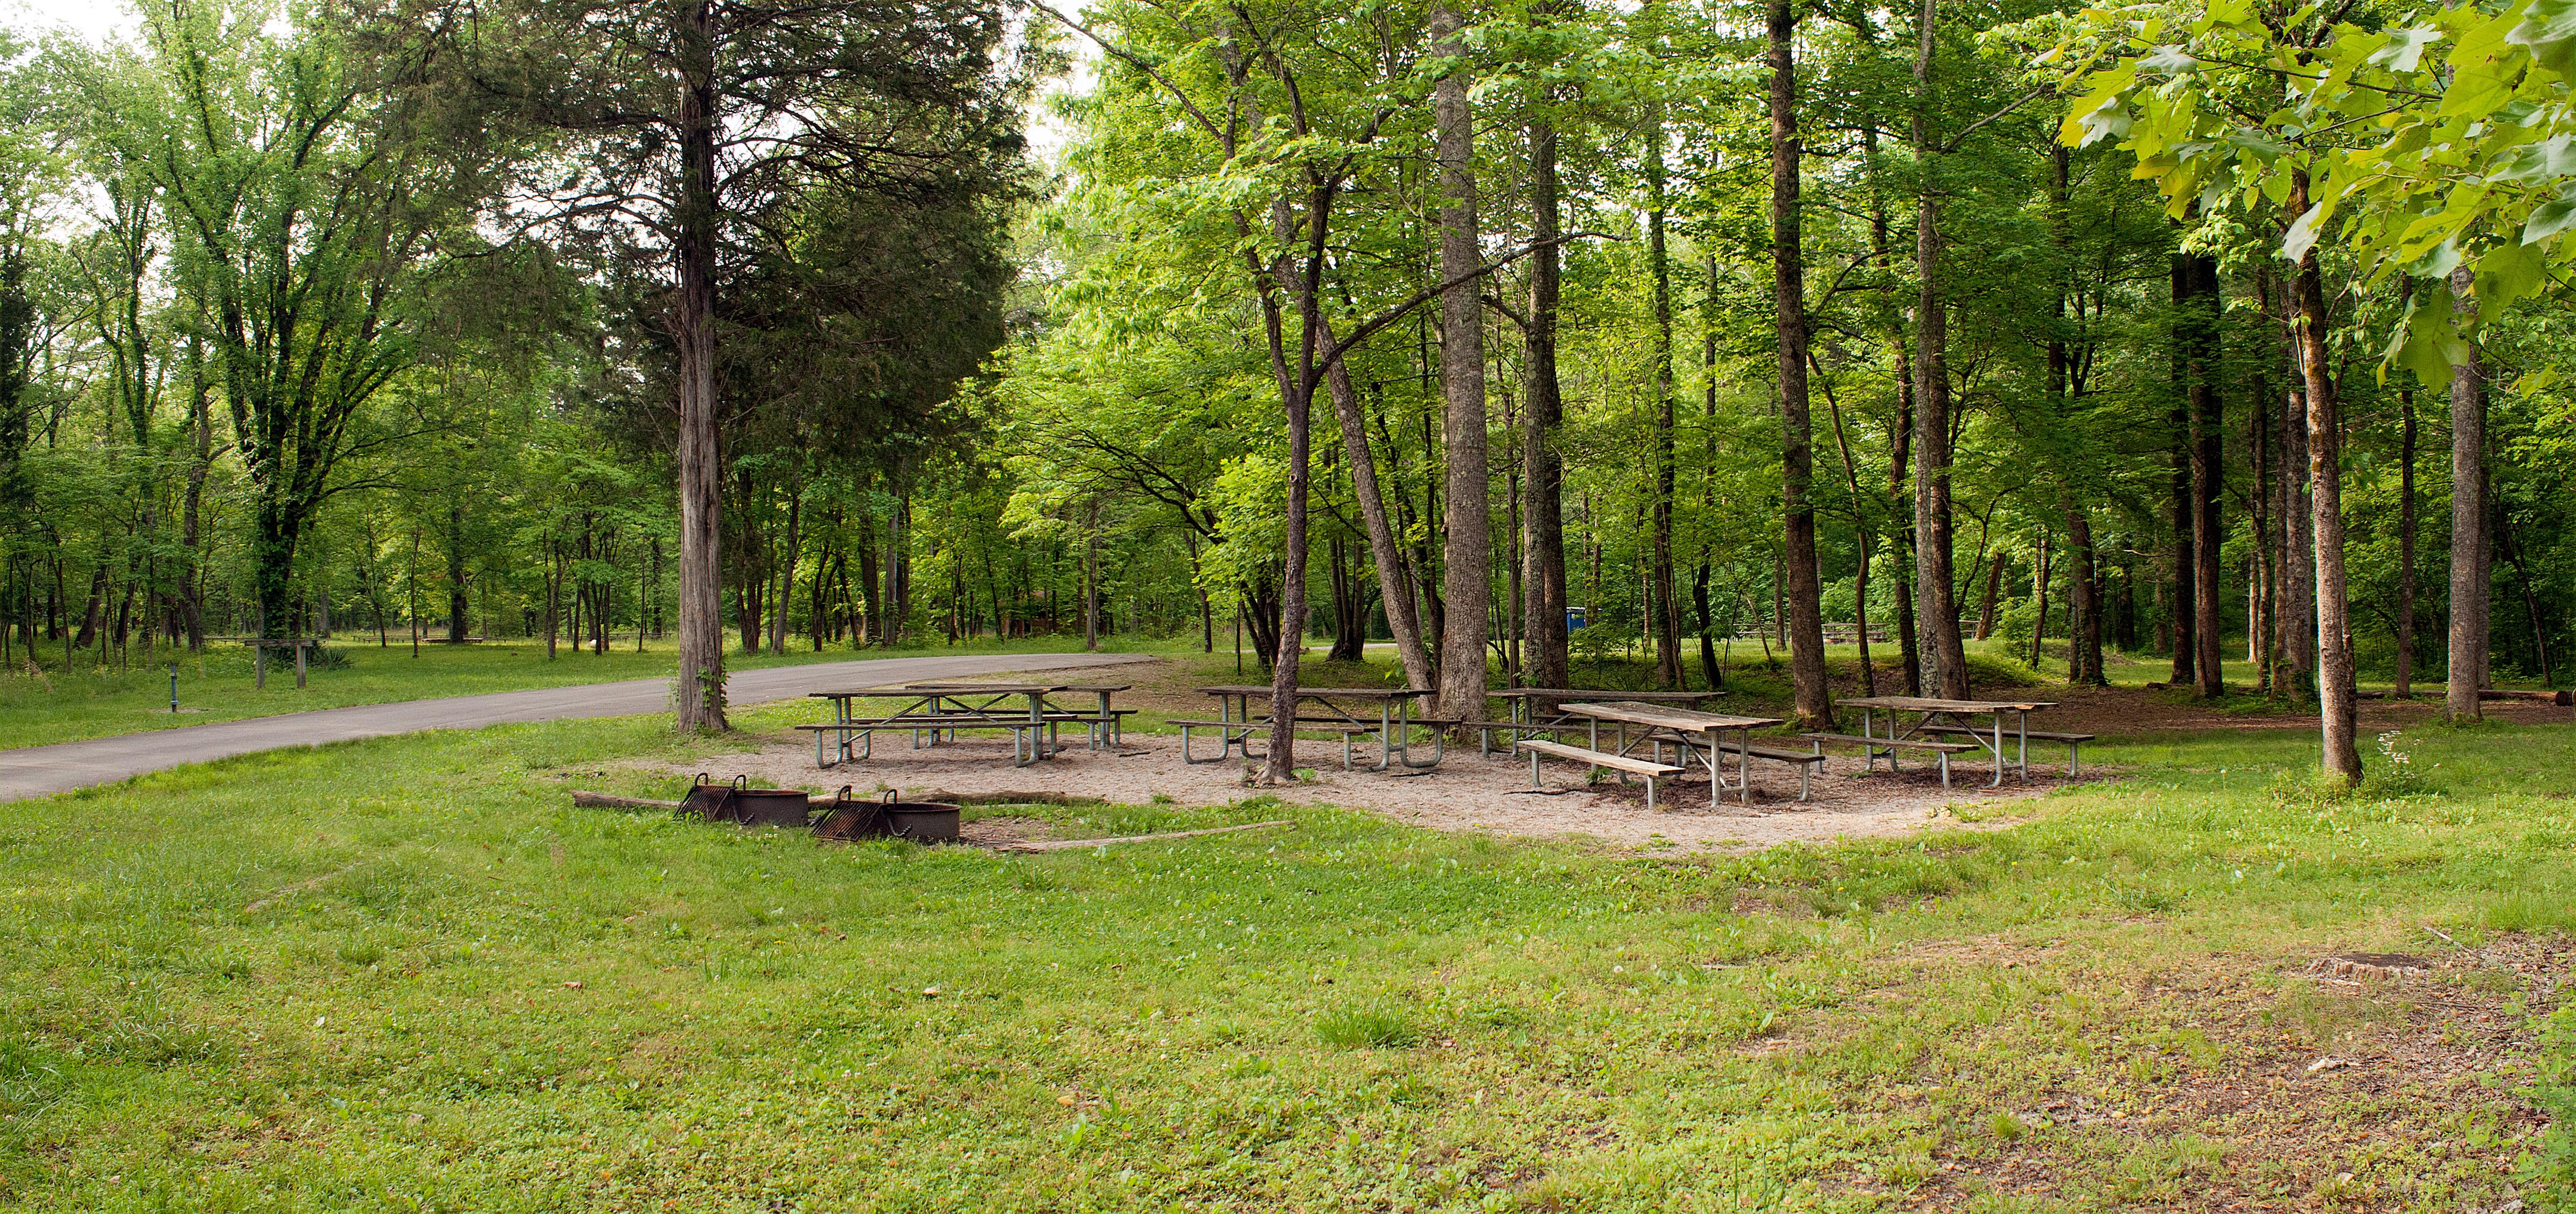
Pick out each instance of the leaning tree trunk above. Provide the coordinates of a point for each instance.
(1542, 469)
(2335, 700)
(1466, 581)
(1393, 580)
(2469, 607)
(1945, 658)
(1812, 696)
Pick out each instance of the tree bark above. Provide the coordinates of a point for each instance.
(1394, 579)
(2405, 688)
(2296, 614)
(1091, 576)
(1542, 470)
(2208, 478)
(2469, 583)
(2185, 610)
(1660, 583)
(2335, 701)
(1466, 579)
(1812, 697)
(2083, 602)
(699, 692)
(1945, 659)
(785, 593)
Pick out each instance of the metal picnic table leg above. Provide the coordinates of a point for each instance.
(1999, 750)
(1389, 748)
(2021, 725)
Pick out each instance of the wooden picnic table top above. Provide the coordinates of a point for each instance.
(1927, 704)
(1561, 693)
(1684, 719)
(1358, 693)
(930, 689)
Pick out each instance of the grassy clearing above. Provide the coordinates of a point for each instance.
(406, 975)
(52, 704)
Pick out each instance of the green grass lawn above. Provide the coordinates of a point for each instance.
(52, 704)
(406, 975)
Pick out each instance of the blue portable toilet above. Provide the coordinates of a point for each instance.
(1573, 618)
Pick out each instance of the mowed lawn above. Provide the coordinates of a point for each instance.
(407, 975)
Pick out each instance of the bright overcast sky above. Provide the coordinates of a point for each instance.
(97, 20)
(92, 19)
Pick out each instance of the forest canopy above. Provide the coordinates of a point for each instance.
(1510, 335)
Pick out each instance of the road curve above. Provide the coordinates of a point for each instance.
(37, 771)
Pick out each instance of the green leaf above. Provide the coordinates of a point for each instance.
(2302, 235)
(2168, 60)
(2508, 272)
(2547, 160)
(2427, 344)
(2549, 29)
(2405, 48)
(2549, 219)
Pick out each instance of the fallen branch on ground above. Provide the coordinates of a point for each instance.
(1071, 844)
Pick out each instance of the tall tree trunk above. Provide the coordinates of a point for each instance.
(2335, 700)
(1660, 584)
(699, 691)
(1091, 576)
(2208, 478)
(2469, 582)
(1542, 470)
(2186, 643)
(1710, 667)
(1945, 659)
(457, 604)
(788, 553)
(1467, 579)
(2040, 577)
(2405, 689)
(1811, 695)
(2262, 647)
(2296, 614)
(2083, 601)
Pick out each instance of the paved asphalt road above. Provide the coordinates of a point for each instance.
(42, 770)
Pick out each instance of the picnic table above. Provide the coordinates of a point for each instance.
(1235, 724)
(1525, 717)
(1908, 716)
(1700, 735)
(938, 711)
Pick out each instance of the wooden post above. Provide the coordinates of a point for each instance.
(300, 645)
(259, 665)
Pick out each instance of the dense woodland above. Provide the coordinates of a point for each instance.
(1518, 335)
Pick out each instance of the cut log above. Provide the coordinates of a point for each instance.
(600, 800)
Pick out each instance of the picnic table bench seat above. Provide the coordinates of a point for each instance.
(1620, 763)
(1872, 746)
(1807, 762)
(1485, 731)
(1228, 731)
(1025, 739)
(2074, 741)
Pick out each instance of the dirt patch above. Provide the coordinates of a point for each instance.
(2295, 1089)
(1464, 793)
(1004, 831)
